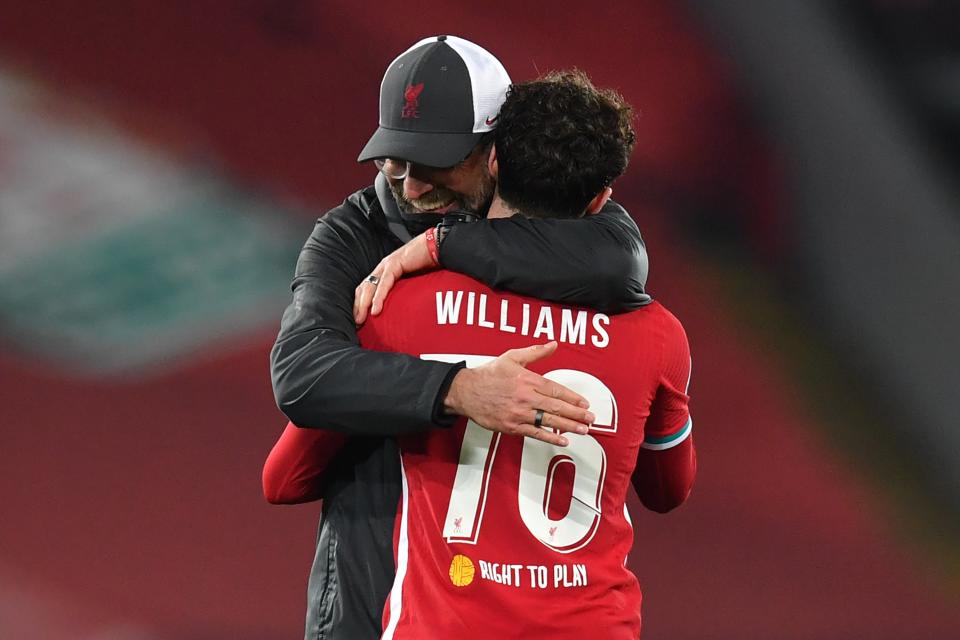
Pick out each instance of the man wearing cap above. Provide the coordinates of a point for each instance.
(439, 101)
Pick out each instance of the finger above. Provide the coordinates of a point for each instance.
(534, 352)
(367, 289)
(382, 289)
(560, 423)
(544, 435)
(356, 303)
(564, 409)
(557, 391)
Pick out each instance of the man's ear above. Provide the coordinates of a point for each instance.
(598, 201)
(492, 166)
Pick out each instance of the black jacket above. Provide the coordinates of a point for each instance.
(322, 378)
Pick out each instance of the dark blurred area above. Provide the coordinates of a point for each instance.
(796, 180)
(918, 45)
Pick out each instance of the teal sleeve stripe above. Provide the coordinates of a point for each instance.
(670, 440)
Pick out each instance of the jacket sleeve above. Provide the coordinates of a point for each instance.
(321, 377)
(295, 468)
(597, 261)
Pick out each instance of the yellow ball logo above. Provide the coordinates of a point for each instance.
(461, 570)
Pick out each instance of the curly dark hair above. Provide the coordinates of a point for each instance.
(560, 141)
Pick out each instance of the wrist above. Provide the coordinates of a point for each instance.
(448, 222)
(453, 400)
(433, 244)
(446, 406)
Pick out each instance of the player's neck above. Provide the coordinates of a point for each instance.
(499, 208)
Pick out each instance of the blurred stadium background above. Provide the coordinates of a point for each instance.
(796, 179)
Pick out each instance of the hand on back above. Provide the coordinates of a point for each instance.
(505, 396)
(370, 294)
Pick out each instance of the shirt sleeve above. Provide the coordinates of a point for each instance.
(321, 376)
(667, 461)
(598, 261)
(670, 422)
(294, 470)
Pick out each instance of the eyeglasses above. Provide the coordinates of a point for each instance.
(393, 168)
(397, 169)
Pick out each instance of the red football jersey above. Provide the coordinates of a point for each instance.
(502, 536)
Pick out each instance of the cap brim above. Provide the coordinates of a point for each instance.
(430, 149)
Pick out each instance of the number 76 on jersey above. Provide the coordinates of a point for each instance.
(539, 464)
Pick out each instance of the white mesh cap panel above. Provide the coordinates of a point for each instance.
(488, 78)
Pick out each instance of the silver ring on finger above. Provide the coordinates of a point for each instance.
(373, 279)
(538, 419)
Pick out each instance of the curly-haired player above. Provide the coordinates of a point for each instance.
(561, 130)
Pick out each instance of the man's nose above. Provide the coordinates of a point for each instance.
(414, 188)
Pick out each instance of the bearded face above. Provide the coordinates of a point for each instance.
(467, 186)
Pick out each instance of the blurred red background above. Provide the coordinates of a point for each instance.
(132, 504)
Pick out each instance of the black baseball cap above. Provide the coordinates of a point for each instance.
(437, 99)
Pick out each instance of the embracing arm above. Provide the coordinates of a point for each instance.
(663, 479)
(321, 377)
(598, 261)
(667, 461)
(293, 472)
